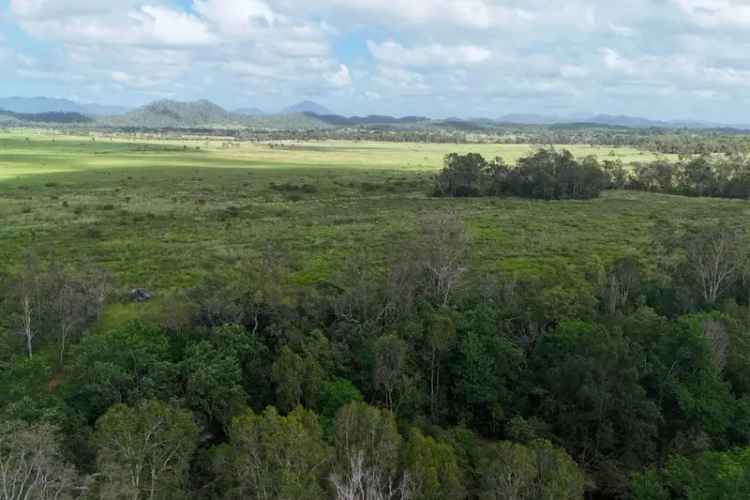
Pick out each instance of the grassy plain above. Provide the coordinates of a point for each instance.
(161, 214)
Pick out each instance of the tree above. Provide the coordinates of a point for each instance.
(507, 473)
(367, 455)
(715, 257)
(434, 468)
(143, 452)
(29, 298)
(271, 457)
(440, 338)
(31, 464)
(430, 266)
(538, 471)
(462, 175)
(623, 286)
(558, 476)
(390, 358)
(123, 365)
(710, 475)
(590, 392)
(336, 394)
(484, 371)
(213, 382)
(297, 379)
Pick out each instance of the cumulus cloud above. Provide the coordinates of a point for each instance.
(90, 23)
(340, 78)
(479, 14)
(716, 13)
(393, 53)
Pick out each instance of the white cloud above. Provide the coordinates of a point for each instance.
(340, 78)
(236, 18)
(395, 54)
(403, 81)
(89, 24)
(475, 14)
(716, 13)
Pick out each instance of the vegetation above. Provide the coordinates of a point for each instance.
(327, 330)
(546, 175)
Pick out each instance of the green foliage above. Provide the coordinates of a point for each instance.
(213, 382)
(546, 175)
(124, 365)
(589, 391)
(297, 379)
(709, 475)
(144, 451)
(485, 370)
(336, 394)
(647, 485)
(372, 432)
(269, 456)
(537, 471)
(434, 468)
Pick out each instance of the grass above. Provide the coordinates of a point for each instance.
(162, 214)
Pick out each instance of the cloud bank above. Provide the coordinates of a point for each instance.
(657, 58)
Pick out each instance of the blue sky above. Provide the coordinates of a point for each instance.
(664, 59)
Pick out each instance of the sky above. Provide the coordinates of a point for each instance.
(660, 59)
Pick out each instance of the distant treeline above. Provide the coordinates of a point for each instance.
(556, 175)
(702, 176)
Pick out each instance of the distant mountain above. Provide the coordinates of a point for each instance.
(92, 109)
(48, 117)
(602, 119)
(35, 105)
(344, 121)
(250, 112)
(176, 114)
(205, 115)
(308, 107)
(529, 119)
(39, 105)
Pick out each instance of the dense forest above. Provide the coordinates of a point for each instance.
(415, 378)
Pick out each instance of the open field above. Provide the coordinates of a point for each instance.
(161, 214)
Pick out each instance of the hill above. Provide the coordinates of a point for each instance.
(343, 121)
(250, 112)
(47, 117)
(204, 114)
(37, 105)
(176, 114)
(308, 107)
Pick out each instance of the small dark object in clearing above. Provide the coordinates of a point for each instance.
(140, 295)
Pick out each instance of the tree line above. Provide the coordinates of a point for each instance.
(546, 174)
(556, 175)
(409, 379)
(721, 177)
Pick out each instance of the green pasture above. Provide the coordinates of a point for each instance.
(162, 214)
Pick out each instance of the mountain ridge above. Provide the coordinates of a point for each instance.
(39, 105)
(308, 107)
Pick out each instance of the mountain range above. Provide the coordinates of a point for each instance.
(35, 105)
(308, 107)
(303, 115)
(206, 115)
